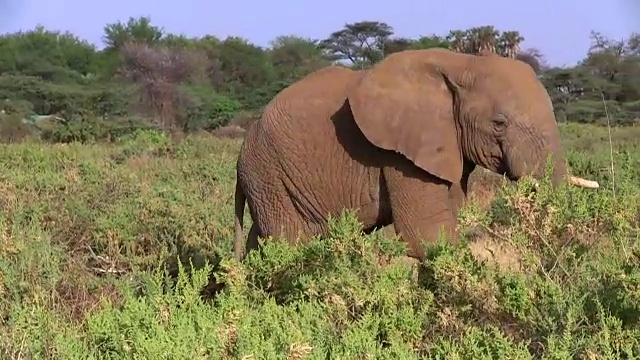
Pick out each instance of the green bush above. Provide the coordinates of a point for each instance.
(65, 99)
(121, 251)
(90, 129)
(209, 110)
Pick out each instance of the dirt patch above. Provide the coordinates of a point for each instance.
(490, 249)
(77, 301)
(483, 187)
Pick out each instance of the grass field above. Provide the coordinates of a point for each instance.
(106, 251)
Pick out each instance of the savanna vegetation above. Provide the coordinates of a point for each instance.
(116, 213)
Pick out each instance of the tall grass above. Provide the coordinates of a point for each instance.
(118, 252)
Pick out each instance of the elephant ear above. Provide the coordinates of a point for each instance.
(406, 104)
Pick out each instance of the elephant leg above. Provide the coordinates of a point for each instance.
(274, 214)
(457, 197)
(458, 192)
(285, 222)
(290, 232)
(252, 239)
(421, 207)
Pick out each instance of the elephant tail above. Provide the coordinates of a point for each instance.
(240, 198)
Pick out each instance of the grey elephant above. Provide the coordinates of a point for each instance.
(396, 143)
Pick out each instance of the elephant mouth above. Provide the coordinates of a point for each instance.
(504, 170)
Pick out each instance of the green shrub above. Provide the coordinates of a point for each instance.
(209, 110)
(123, 250)
(90, 130)
(66, 99)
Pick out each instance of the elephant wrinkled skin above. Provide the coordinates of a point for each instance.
(396, 143)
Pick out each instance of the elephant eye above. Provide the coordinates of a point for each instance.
(499, 123)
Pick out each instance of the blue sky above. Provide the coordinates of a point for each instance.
(560, 29)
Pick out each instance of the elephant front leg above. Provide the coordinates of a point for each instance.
(458, 192)
(421, 207)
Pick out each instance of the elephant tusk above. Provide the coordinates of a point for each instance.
(589, 184)
(577, 181)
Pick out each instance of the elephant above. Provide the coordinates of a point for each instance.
(396, 143)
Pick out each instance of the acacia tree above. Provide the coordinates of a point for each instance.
(135, 30)
(362, 43)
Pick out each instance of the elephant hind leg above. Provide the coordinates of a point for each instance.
(295, 230)
(290, 233)
(286, 223)
(252, 239)
(279, 210)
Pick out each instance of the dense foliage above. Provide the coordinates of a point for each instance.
(98, 243)
(153, 78)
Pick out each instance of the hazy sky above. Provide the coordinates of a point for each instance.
(560, 28)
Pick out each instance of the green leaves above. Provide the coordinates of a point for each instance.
(120, 251)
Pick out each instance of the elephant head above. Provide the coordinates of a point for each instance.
(442, 109)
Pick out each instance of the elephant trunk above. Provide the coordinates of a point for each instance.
(561, 174)
(552, 149)
(560, 171)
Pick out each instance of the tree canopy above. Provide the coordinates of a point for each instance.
(181, 83)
